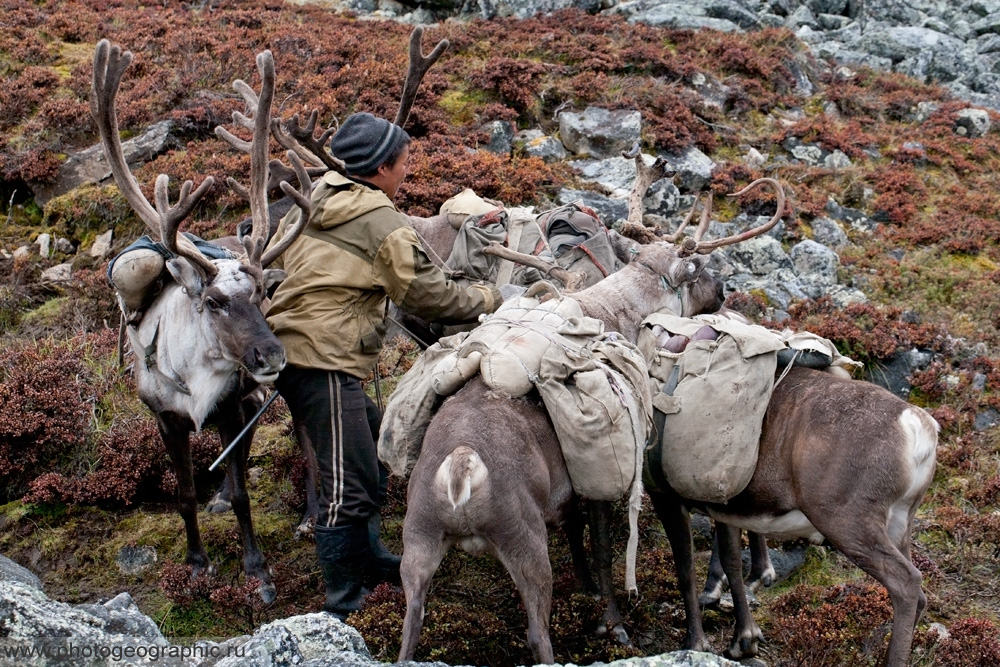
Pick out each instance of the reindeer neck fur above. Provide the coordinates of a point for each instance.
(645, 285)
(187, 351)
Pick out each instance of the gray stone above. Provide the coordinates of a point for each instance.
(837, 160)
(501, 137)
(599, 133)
(828, 232)
(617, 176)
(759, 256)
(90, 165)
(972, 123)
(11, 571)
(44, 243)
(60, 273)
(815, 262)
(610, 210)
(22, 252)
(64, 245)
(102, 245)
(538, 144)
(693, 169)
(135, 559)
(986, 419)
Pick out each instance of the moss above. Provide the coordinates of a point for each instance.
(48, 311)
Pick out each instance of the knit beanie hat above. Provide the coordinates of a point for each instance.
(364, 142)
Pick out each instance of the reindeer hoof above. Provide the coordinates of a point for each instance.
(621, 636)
(218, 505)
(765, 579)
(710, 598)
(268, 594)
(306, 530)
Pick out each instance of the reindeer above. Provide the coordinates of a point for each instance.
(202, 344)
(467, 488)
(840, 460)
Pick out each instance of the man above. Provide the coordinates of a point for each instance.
(357, 252)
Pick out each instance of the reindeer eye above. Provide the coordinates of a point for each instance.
(213, 304)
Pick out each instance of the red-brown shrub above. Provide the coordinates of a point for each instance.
(45, 405)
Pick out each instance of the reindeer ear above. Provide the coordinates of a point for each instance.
(272, 277)
(693, 267)
(187, 275)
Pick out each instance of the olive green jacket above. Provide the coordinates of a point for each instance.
(356, 252)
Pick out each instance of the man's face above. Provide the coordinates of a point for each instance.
(391, 177)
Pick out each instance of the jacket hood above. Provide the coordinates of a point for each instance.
(348, 201)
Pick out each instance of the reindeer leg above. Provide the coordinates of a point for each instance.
(870, 548)
(761, 571)
(677, 524)
(574, 534)
(531, 570)
(175, 431)
(600, 544)
(222, 500)
(254, 564)
(746, 634)
(307, 527)
(716, 581)
(421, 557)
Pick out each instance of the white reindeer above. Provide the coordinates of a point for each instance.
(202, 346)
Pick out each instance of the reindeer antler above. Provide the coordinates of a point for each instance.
(262, 125)
(163, 222)
(572, 280)
(419, 64)
(645, 176)
(696, 245)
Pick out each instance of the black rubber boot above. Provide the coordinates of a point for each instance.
(384, 565)
(344, 554)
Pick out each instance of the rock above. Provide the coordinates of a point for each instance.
(815, 262)
(986, 419)
(22, 252)
(135, 559)
(609, 210)
(60, 273)
(693, 169)
(44, 243)
(759, 256)
(64, 246)
(90, 165)
(11, 571)
(972, 123)
(829, 233)
(538, 144)
(501, 137)
(617, 176)
(599, 133)
(102, 245)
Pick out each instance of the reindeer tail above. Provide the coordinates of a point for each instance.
(460, 475)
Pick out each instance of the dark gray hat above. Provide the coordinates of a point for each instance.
(364, 142)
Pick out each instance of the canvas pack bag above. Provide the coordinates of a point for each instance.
(579, 241)
(411, 407)
(711, 404)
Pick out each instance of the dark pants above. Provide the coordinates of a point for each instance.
(342, 424)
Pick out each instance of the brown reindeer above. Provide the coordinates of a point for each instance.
(840, 460)
(202, 345)
(490, 475)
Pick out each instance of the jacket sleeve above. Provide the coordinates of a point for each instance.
(416, 285)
